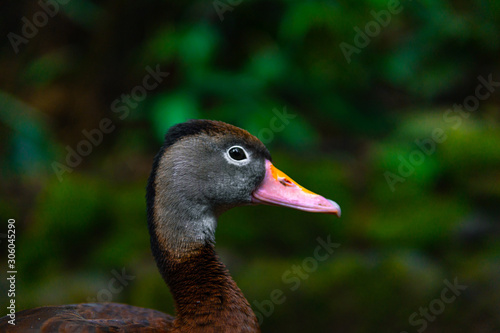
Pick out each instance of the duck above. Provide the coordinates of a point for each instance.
(204, 168)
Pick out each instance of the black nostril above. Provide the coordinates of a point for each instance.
(286, 182)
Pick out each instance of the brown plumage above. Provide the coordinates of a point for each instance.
(203, 169)
(89, 318)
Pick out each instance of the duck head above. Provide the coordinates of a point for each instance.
(206, 167)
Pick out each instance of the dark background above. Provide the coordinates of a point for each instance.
(355, 123)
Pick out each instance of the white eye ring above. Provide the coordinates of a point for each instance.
(233, 159)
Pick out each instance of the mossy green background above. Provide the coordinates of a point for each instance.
(353, 122)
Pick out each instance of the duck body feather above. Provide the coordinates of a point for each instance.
(89, 318)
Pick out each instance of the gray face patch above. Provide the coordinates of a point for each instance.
(196, 180)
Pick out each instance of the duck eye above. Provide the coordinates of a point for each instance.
(237, 153)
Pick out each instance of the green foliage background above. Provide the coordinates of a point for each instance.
(354, 122)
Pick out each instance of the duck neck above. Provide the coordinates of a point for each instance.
(206, 297)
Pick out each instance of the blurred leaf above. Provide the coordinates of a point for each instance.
(197, 46)
(171, 109)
